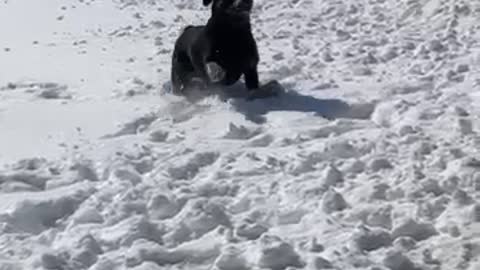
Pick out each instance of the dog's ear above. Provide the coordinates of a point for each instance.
(207, 2)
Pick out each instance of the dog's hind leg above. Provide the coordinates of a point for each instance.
(198, 57)
(175, 76)
(181, 74)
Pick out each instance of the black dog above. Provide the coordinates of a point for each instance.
(226, 40)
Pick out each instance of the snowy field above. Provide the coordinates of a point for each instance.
(370, 159)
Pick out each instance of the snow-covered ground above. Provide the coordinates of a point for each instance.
(370, 160)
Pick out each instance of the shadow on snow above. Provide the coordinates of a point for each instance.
(286, 100)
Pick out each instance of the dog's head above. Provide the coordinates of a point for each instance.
(230, 7)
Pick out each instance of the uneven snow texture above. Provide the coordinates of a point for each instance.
(369, 160)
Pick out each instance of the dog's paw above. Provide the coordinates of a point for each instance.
(260, 94)
(215, 72)
(271, 89)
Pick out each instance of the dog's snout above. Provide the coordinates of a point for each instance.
(242, 5)
(237, 3)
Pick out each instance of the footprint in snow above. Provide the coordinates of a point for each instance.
(44, 90)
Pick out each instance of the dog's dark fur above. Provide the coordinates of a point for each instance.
(226, 39)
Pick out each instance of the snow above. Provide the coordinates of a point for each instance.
(368, 160)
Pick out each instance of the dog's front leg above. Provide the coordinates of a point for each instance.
(251, 78)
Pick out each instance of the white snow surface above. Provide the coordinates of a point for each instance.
(369, 160)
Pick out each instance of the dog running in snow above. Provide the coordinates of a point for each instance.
(225, 40)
